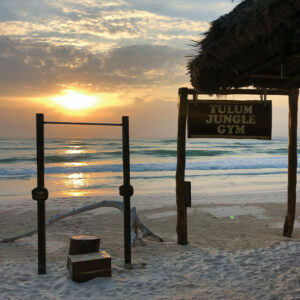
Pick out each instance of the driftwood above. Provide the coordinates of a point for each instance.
(135, 222)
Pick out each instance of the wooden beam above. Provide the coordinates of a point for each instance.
(292, 163)
(293, 80)
(181, 227)
(243, 92)
(268, 76)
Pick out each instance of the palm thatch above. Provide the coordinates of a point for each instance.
(257, 43)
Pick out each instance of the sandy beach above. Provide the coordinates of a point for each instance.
(152, 100)
(236, 251)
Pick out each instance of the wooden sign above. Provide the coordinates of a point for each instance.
(230, 119)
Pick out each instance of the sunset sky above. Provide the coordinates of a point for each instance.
(109, 58)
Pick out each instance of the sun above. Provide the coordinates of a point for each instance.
(75, 101)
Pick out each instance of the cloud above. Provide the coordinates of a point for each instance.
(95, 23)
(192, 10)
(34, 69)
(138, 62)
(106, 27)
(23, 10)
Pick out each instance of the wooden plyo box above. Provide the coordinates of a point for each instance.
(84, 267)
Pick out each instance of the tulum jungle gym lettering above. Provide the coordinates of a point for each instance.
(230, 119)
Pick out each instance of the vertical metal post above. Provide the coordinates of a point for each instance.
(127, 189)
(41, 204)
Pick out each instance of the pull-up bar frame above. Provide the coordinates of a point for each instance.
(80, 123)
(40, 193)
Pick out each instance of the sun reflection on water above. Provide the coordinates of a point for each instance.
(73, 182)
(75, 151)
(75, 176)
(75, 193)
(75, 164)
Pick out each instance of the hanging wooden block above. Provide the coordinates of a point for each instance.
(188, 194)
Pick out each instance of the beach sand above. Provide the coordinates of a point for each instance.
(236, 251)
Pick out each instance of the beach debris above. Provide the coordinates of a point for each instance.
(136, 223)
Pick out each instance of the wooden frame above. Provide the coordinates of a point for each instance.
(40, 193)
(181, 228)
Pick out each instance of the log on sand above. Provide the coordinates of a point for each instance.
(136, 223)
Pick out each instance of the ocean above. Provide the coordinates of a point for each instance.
(78, 167)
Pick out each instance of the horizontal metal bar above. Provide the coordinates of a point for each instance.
(78, 123)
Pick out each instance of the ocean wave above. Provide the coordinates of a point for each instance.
(191, 177)
(167, 141)
(69, 142)
(277, 151)
(16, 149)
(173, 153)
(69, 158)
(96, 186)
(112, 144)
(17, 177)
(12, 160)
(113, 153)
(52, 158)
(156, 177)
(110, 154)
(221, 164)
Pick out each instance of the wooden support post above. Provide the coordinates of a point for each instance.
(127, 193)
(292, 163)
(181, 228)
(41, 203)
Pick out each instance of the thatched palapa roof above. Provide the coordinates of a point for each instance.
(257, 43)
